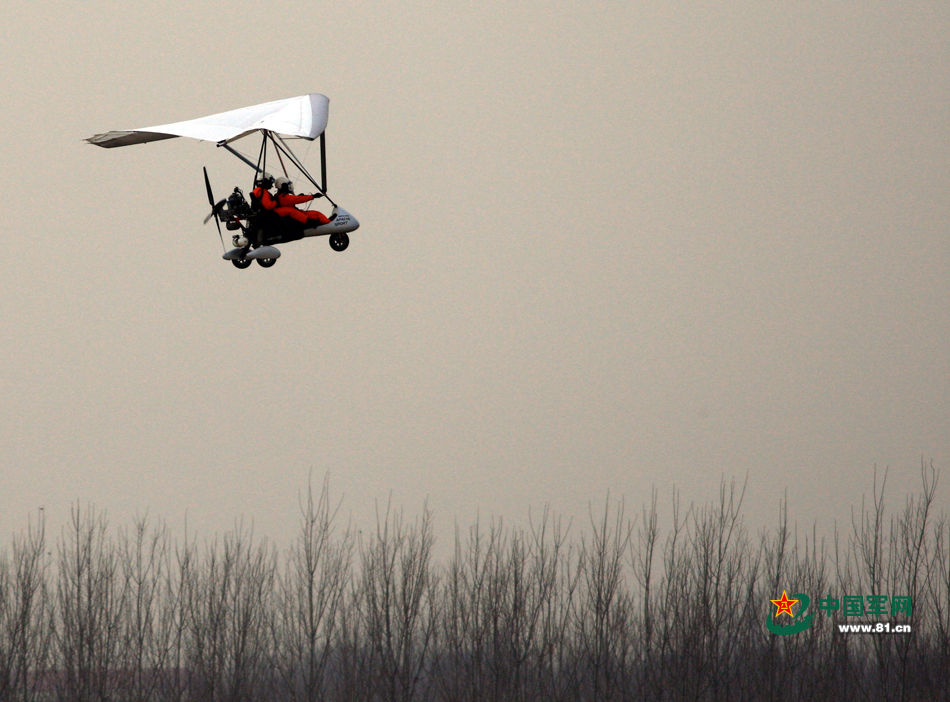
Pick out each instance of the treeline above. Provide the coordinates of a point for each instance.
(616, 610)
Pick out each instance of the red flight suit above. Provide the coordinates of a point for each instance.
(286, 202)
(264, 197)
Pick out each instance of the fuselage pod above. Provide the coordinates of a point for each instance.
(262, 252)
(343, 223)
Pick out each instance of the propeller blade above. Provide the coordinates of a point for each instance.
(220, 235)
(208, 186)
(214, 208)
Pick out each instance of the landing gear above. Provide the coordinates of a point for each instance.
(265, 262)
(338, 242)
(241, 263)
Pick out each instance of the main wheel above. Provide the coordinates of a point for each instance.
(266, 262)
(241, 263)
(338, 242)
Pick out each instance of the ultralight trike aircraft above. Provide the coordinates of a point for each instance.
(258, 229)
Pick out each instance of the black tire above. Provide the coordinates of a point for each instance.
(339, 242)
(241, 263)
(266, 262)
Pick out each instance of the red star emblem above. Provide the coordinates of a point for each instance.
(784, 605)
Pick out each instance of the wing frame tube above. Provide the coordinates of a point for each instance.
(239, 155)
(323, 160)
(261, 167)
(279, 143)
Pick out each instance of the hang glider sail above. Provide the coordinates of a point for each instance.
(304, 116)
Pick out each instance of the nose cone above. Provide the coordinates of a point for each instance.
(345, 222)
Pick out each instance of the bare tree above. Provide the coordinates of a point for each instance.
(400, 600)
(723, 580)
(26, 612)
(312, 596)
(90, 599)
(642, 553)
(676, 609)
(464, 647)
(355, 676)
(250, 611)
(145, 631)
(774, 550)
(937, 668)
(557, 582)
(604, 614)
(909, 572)
(177, 606)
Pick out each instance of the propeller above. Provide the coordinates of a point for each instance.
(215, 209)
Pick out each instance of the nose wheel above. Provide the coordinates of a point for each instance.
(338, 242)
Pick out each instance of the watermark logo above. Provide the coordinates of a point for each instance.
(849, 606)
(799, 623)
(854, 605)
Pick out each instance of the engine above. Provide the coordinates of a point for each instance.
(236, 208)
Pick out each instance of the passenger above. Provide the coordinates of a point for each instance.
(260, 195)
(286, 201)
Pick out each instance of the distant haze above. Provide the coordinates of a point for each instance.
(604, 247)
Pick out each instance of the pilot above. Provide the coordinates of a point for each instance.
(260, 195)
(286, 201)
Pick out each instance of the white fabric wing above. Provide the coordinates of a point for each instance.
(304, 116)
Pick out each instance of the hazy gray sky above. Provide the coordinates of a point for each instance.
(604, 246)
